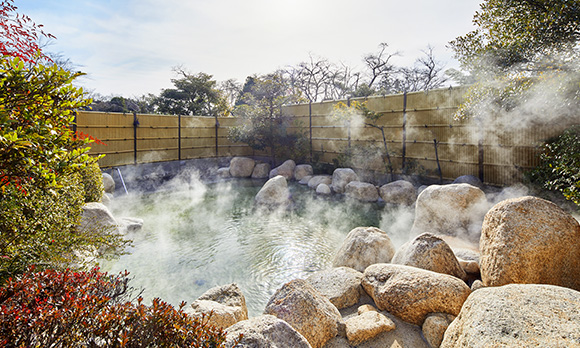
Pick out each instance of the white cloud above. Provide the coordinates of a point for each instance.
(129, 47)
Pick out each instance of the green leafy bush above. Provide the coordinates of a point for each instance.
(36, 112)
(92, 180)
(42, 163)
(40, 227)
(559, 168)
(92, 309)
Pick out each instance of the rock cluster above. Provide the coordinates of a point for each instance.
(524, 276)
(343, 181)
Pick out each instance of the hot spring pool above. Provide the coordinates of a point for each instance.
(198, 236)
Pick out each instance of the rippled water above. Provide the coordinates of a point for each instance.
(199, 236)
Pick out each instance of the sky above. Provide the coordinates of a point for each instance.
(129, 47)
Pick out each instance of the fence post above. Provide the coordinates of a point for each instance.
(348, 122)
(480, 150)
(404, 152)
(217, 125)
(135, 125)
(310, 126)
(179, 137)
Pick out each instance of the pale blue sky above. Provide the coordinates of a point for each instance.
(128, 47)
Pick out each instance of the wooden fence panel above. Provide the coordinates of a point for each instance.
(415, 126)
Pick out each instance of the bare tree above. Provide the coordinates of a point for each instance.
(426, 74)
(378, 64)
(312, 77)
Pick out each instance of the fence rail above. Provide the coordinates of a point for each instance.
(420, 131)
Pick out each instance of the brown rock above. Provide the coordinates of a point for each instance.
(364, 246)
(434, 328)
(366, 326)
(261, 171)
(341, 285)
(517, 315)
(241, 167)
(274, 192)
(286, 169)
(399, 192)
(319, 179)
(223, 305)
(265, 331)
(302, 170)
(306, 310)
(341, 177)
(412, 293)
(532, 241)
(217, 314)
(429, 252)
(361, 191)
(366, 308)
(456, 210)
(108, 183)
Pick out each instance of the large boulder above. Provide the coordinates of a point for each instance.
(319, 179)
(341, 177)
(455, 210)
(302, 170)
(274, 192)
(399, 192)
(261, 171)
(341, 285)
(265, 331)
(517, 315)
(306, 310)
(241, 167)
(286, 169)
(223, 305)
(364, 246)
(361, 191)
(108, 183)
(97, 218)
(530, 240)
(412, 293)
(429, 252)
(130, 224)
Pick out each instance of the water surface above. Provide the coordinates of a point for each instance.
(198, 236)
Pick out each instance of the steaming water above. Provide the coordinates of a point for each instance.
(196, 237)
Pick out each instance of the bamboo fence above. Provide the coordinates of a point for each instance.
(420, 132)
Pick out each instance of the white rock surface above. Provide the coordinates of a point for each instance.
(364, 246)
(274, 192)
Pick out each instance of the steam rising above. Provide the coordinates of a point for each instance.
(197, 236)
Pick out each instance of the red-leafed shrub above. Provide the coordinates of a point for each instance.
(92, 309)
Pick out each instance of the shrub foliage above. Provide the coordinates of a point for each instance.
(559, 168)
(46, 174)
(92, 309)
